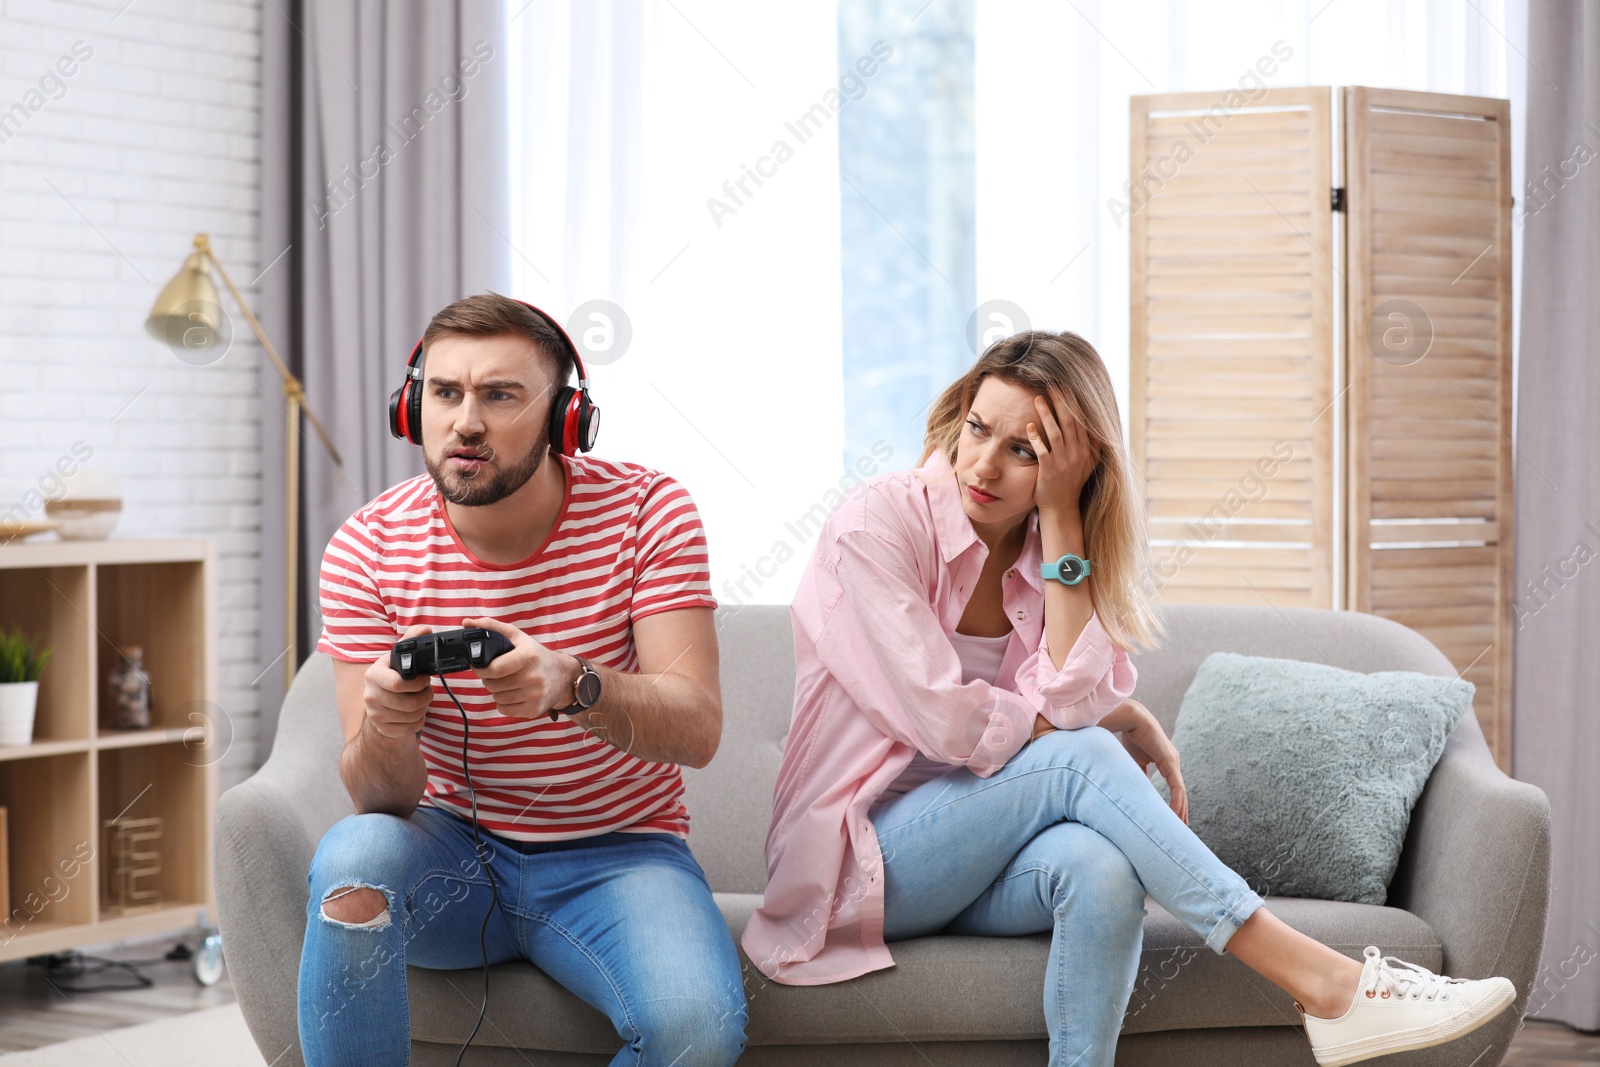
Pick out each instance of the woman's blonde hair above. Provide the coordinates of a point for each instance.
(1065, 367)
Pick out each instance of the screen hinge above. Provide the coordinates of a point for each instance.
(1338, 198)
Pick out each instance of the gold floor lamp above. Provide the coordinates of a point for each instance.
(188, 314)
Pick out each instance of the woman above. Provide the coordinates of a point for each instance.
(953, 764)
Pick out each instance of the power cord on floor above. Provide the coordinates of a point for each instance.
(65, 970)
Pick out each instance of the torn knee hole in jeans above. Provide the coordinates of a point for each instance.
(361, 907)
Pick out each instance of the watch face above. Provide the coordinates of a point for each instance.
(1072, 568)
(588, 688)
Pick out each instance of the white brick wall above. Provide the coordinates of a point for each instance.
(156, 137)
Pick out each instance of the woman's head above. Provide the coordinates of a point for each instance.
(980, 424)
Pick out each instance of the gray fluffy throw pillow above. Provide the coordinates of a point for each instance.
(1302, 776)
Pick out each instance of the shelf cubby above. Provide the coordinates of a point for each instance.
(50, 846)
(161, 780)
(52, 605)
(158, 607)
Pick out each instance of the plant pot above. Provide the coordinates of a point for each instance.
(18, 702)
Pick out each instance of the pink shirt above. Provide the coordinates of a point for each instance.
(877, 680)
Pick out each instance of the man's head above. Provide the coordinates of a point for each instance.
(491, 368)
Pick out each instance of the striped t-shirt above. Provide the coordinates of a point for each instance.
(627, 543)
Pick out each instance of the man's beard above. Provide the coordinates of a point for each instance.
(478, 488)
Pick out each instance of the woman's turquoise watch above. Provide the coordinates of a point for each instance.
(1068, 570)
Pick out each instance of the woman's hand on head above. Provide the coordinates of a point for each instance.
(1065, 458)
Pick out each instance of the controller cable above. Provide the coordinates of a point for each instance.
(483, 858)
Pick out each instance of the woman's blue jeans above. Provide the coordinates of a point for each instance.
(625, 921)
(1069, 836)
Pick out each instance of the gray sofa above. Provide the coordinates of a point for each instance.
(1469, 898)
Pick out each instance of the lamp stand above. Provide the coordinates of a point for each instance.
(294, 393)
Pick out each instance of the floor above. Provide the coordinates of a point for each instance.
(34, 1012)
(1552, 1045)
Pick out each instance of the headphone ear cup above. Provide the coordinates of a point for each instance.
(588, 423)
(405, 404)
(414, 411)
(561, 414)
(397, 426)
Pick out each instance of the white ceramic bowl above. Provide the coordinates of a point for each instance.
(90, 508)
(84, 520)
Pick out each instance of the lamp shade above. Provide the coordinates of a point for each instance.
(188, 315)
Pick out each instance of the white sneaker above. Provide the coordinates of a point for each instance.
(1399, 1006)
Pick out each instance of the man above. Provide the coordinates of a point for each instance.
(594, 570)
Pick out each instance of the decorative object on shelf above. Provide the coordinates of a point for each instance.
(128, 693)
(21, 663)
(189, 319)
(90, 508)
(17, 529)
(134, 862)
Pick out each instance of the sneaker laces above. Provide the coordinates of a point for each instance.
(1405, 979)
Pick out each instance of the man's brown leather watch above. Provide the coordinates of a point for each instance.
(585, 691)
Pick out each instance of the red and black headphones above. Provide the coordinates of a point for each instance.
(574, 418)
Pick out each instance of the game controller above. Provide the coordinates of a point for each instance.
(447, 651)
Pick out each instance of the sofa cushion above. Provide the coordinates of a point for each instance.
(942, 988)
(1302, 776)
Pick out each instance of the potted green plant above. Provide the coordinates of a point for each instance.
(21, 663)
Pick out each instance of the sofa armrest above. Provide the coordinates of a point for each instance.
(266, 835)
(267, 830)
(1476, 864)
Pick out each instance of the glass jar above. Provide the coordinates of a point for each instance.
(129, 692)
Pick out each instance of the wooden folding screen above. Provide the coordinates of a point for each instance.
(1232, 348)
(1429, 337)
(1321, 409)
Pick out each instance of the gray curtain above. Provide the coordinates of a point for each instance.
(385, 191)
(1557, 604)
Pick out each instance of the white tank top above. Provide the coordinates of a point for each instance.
(980, 658)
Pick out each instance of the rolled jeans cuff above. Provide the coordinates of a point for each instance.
(1231, 918)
